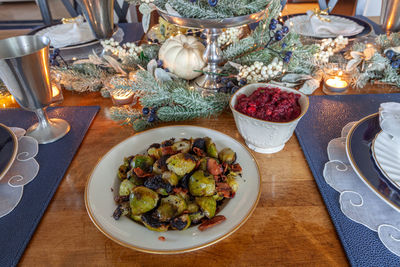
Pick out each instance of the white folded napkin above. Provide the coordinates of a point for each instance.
(336, 26)
(68, 34)
(389, 119)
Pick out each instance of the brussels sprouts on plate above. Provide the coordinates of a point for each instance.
(177, 184)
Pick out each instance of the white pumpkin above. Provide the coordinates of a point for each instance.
(182, 55)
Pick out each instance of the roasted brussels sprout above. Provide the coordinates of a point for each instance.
(142, 199)
(208, 205)
(203, 164)
(160, 165)
(182, 146)
(125, 187)
(218, 197)
(121, 210)
(122, 171)
(181, 163)
(143, 162)
(154, 152)
(157, 184)
(131, 175)
(152, 223)
(181, 223)
(201, 185)
(211, 148)
(192, 207)
(196, 217)
(170, 177)
(227, 155)
(231, 180)
(170, 207)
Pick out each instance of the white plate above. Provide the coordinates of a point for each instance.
(86, 39)
(301, 25)
(100, 204)
(386, 154)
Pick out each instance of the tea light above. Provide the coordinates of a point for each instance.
(120, 97)
(335, 83)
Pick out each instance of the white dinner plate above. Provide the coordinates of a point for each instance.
(301, 25)
(386, 154)
(100, 203)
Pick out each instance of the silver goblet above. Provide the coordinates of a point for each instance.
(100, 15)
(25, 70)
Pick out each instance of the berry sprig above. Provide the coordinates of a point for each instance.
(54, 56)
(276, 33)
(229, 84)
(394, 58)
(151, 114)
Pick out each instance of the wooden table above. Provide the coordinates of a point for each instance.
(290, 225)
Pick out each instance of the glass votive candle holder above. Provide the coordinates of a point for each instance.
(336, 81)
(122, 97)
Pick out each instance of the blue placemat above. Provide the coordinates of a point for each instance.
(17, 228)
(324, 121)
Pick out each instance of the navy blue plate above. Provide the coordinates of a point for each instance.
(358, 148)
(8, 149)
(367, 27)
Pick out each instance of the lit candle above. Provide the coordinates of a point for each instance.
(121, 97)
(336, 84)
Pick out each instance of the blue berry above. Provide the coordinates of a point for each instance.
(284, 45)
(145, 111)
(242, 81)
(285, 29)
(230, 84)
(159, 63)
(274, 21)
(198, 33)
(223, 89)
(153, 111)
(289, 53)
(212, 2)
(396, 64)
(156, 41)
(389, 54)
(234, 89)
(279, 32)
(151, 118)
(286, 59)
(193, 1)
(272, 26)
(278, 36)
(224, 80)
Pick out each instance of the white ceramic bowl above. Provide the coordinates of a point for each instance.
(265, 136)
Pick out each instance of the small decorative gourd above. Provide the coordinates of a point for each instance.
(182, 55)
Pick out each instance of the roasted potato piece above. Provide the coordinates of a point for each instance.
(211, 148)
(181, 223)
(170, 207)
(227, 155)
(125, 188)
(181, 163)
(201, 185)
(208, 205)
(142, 199)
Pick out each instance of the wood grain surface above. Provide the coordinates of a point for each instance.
(290, 225)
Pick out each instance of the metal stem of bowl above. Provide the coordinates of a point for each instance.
(207, 83)
(212, 56)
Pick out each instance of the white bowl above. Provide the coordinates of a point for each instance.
(260, 135)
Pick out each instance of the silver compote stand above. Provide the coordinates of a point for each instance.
(207, 83)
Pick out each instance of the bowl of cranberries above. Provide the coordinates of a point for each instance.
(266, 115)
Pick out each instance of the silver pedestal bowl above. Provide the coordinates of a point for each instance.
(207, 83)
